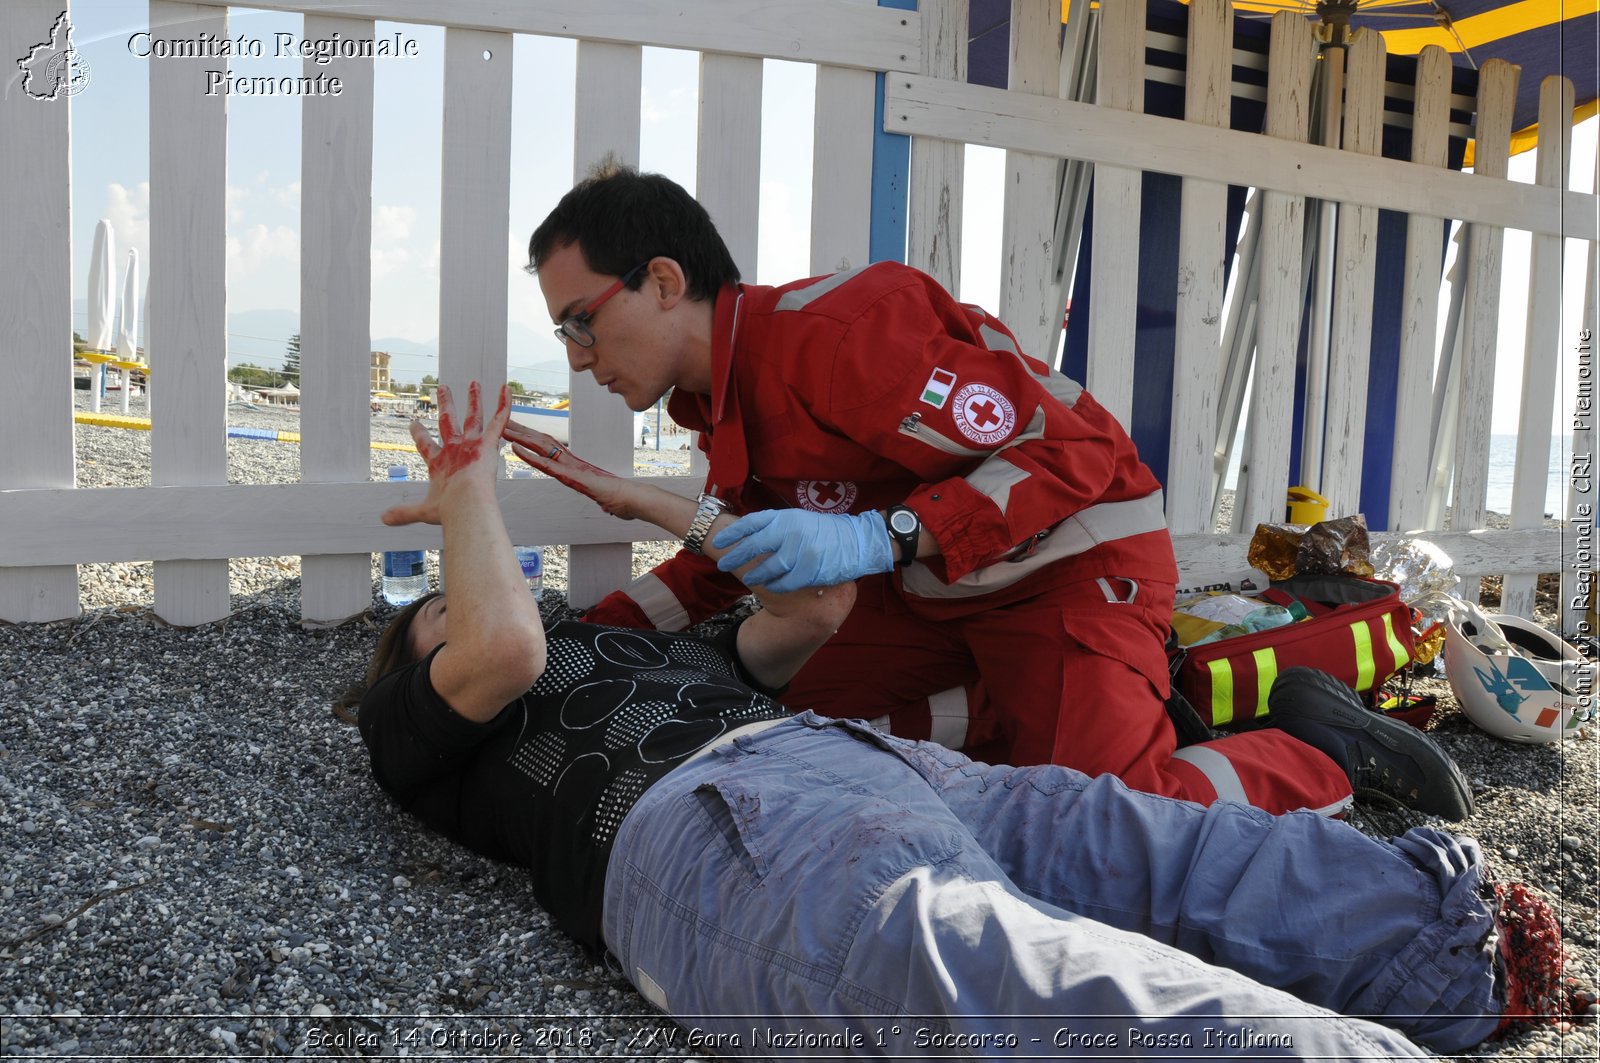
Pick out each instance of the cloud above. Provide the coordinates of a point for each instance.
(391, 239)
(260, 246)
(390, 224)
(129, 214)
(524, 303)
(387, 260)
(286, 195)
(236, 196)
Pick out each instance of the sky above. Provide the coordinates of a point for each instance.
(110, 144)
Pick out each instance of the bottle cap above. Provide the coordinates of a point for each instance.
(398, 472)
(521, 472)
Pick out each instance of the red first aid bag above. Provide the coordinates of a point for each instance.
(1358, 631)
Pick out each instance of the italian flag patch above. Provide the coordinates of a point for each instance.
(937, 389)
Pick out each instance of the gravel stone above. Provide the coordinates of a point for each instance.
(216, 873)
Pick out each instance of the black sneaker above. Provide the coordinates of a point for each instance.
(1383, 757)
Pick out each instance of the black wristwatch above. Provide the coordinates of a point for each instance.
(904, 528)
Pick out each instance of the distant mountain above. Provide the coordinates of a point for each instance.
(261, 337)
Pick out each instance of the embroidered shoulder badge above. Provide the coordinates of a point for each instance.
(937, 389)
(825, 496)
(983, 414)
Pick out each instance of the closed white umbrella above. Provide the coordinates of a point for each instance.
(102, 304)
(128, 332)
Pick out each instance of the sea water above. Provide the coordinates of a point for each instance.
(1503, 470)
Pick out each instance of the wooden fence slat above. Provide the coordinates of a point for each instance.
(1028, 292)
(863, 36)
(47, 526)
(187, 326)
(841, 170)
(1114, 292)
(1497, 95)
(1202, 257)
(1066, 129)
(842, 137)
(1350, 346)
(248, 520)
(474, 203)
(1266, 461)
(36, 433)
(606, 123)
(933, 240)
(729, 187)
(1532, 548)
(1578, 587)
(335, 306)
(1542, 354)
(728, 171)
(1410, 461)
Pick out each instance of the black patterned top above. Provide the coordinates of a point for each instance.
(546, 783)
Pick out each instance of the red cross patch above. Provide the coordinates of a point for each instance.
(983, 414)
(825, 496)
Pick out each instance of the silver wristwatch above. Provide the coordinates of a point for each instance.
(695, 538)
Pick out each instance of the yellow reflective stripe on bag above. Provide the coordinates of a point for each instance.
(1222, 685)
(1221, 691)
(1266, 675)
(1401, 657)
(1366, 667)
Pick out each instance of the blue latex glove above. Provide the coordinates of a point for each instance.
(806, 549)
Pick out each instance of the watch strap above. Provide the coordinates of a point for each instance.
(705, 513)
(905, 540)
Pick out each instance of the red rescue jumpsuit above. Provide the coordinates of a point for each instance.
(1038, 635)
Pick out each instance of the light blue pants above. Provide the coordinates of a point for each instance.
(821, 889)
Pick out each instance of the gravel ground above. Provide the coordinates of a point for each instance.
(198, 864)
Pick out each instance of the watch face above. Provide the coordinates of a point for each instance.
(903, 522)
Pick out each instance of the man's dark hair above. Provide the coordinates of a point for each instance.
(620, 217)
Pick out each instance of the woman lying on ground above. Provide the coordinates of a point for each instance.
(789, 882)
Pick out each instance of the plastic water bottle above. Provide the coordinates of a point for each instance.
(405, 572)
(531, 558)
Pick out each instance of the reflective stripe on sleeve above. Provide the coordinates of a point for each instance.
(800, 298)
(1218, 771)
(1080, 532)
(994, 479)
(948, 715)
(938, 440)
(1062, 388)
(660, 605)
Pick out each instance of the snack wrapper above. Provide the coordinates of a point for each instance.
(1274, 547)
(1332, 547)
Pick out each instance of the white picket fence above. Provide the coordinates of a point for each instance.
(190, 521)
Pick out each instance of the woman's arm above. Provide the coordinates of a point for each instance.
(495, 646)
(775, 642)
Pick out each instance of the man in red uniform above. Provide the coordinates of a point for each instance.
(1015, 575)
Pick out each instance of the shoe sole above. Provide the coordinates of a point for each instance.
(1347, 709)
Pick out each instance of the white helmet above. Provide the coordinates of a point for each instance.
(1514, 679)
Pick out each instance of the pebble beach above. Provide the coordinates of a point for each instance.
(198, 864)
